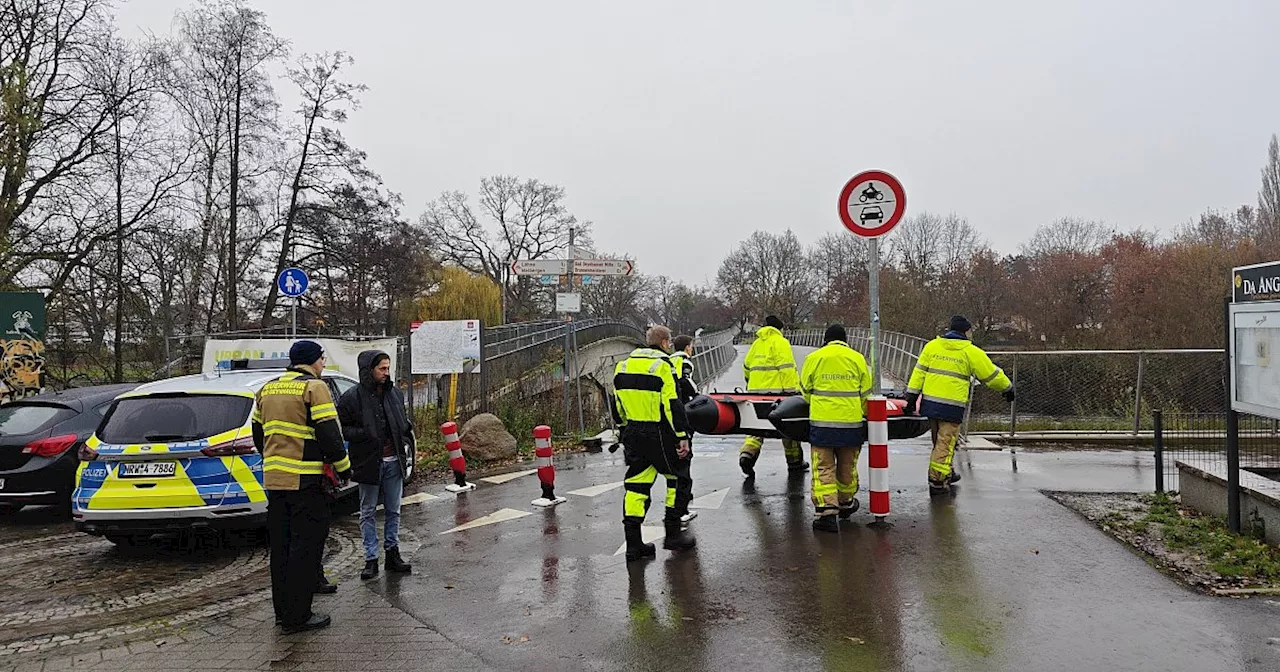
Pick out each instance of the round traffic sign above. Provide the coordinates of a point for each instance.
(872, 203)
(293, 281)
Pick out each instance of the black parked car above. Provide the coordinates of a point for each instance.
(40, 438)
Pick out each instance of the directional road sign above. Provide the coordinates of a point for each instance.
(540, 266)
(293, 282)
(872, 203)
(603, 266)
(549, 280)
(568, 302)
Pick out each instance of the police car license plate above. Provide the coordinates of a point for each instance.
(145, 469)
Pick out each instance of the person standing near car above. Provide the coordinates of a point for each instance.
(295, 427)
(374, 422)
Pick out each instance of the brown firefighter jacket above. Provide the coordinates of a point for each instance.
(295, 427)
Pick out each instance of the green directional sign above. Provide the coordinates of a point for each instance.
(22, 333)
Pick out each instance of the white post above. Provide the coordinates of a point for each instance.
(295, 317)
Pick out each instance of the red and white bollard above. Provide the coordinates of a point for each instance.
(457, 461)
(878, 457)
(546, 467)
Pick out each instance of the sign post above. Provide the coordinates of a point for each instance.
(569, 302)
(293, 283)
(871, 204)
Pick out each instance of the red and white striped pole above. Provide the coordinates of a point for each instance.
(543, 451)
(878, 457)
(457, 461)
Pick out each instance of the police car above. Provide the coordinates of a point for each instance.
(177, 455)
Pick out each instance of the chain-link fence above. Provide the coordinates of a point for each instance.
(1099, 390)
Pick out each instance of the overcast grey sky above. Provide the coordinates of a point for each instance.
(703, 121)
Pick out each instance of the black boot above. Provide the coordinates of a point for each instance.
(678, 538)
(953, 478)
(316, 622)
(846, 511)
(636, 548)
(797, 467)
(936, 488)
(747, 462)
(826, 524)
(370, 569)
(395, 563)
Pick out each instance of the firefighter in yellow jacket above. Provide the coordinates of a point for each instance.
(770, 366)
(655, 439)
(295, 427)
(940, 383)
(836, 384)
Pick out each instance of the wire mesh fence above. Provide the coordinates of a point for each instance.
(1100, 390)
(1202, 442)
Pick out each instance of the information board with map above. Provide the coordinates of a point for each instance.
(445, 346)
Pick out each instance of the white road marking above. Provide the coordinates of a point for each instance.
(498, 516)
(648, 533)
(711, 500)
(596, 489)
(503, 478)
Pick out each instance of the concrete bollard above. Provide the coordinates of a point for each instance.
(878, 457)
(457, 461)
(546, 467)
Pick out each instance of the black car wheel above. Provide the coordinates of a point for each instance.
(411, 469)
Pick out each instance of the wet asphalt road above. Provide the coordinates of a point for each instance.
(995, 577)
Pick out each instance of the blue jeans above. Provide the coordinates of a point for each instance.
(391, 488)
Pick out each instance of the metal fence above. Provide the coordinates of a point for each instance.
(1099, 390)
(1223, 445)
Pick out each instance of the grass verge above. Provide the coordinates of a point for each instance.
(1196, 549)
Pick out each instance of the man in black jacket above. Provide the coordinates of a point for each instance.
(374, 423)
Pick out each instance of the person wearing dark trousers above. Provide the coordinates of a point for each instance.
(295, 427)
(682, 368)
(377, 429)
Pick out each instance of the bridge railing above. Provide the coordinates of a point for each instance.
(898, 351)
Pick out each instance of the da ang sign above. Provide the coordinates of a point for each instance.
(1259, 282)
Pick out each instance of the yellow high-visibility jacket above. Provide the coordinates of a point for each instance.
(942, 374)
(836, 383)
(770, 365)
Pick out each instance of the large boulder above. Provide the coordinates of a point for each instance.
(484, 437)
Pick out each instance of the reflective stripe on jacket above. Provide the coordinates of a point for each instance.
(295, 426)
(942, 374)
(836, 383)
(770, 365)
(645, 402)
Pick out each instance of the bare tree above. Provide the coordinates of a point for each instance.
(52, 120)
(839, 263)
(1068, 235)
(324, 98)
(231, 46)
(1269, 200)
(768, 273)
(529, 220)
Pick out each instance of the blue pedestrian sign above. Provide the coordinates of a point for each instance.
(293, 282)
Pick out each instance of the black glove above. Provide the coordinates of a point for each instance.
(1008, 395)
(345, 476)
(912, 399)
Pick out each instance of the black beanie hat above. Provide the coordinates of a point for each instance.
(304, 353)
(835, 332)
(959, 323)
(773, 321)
